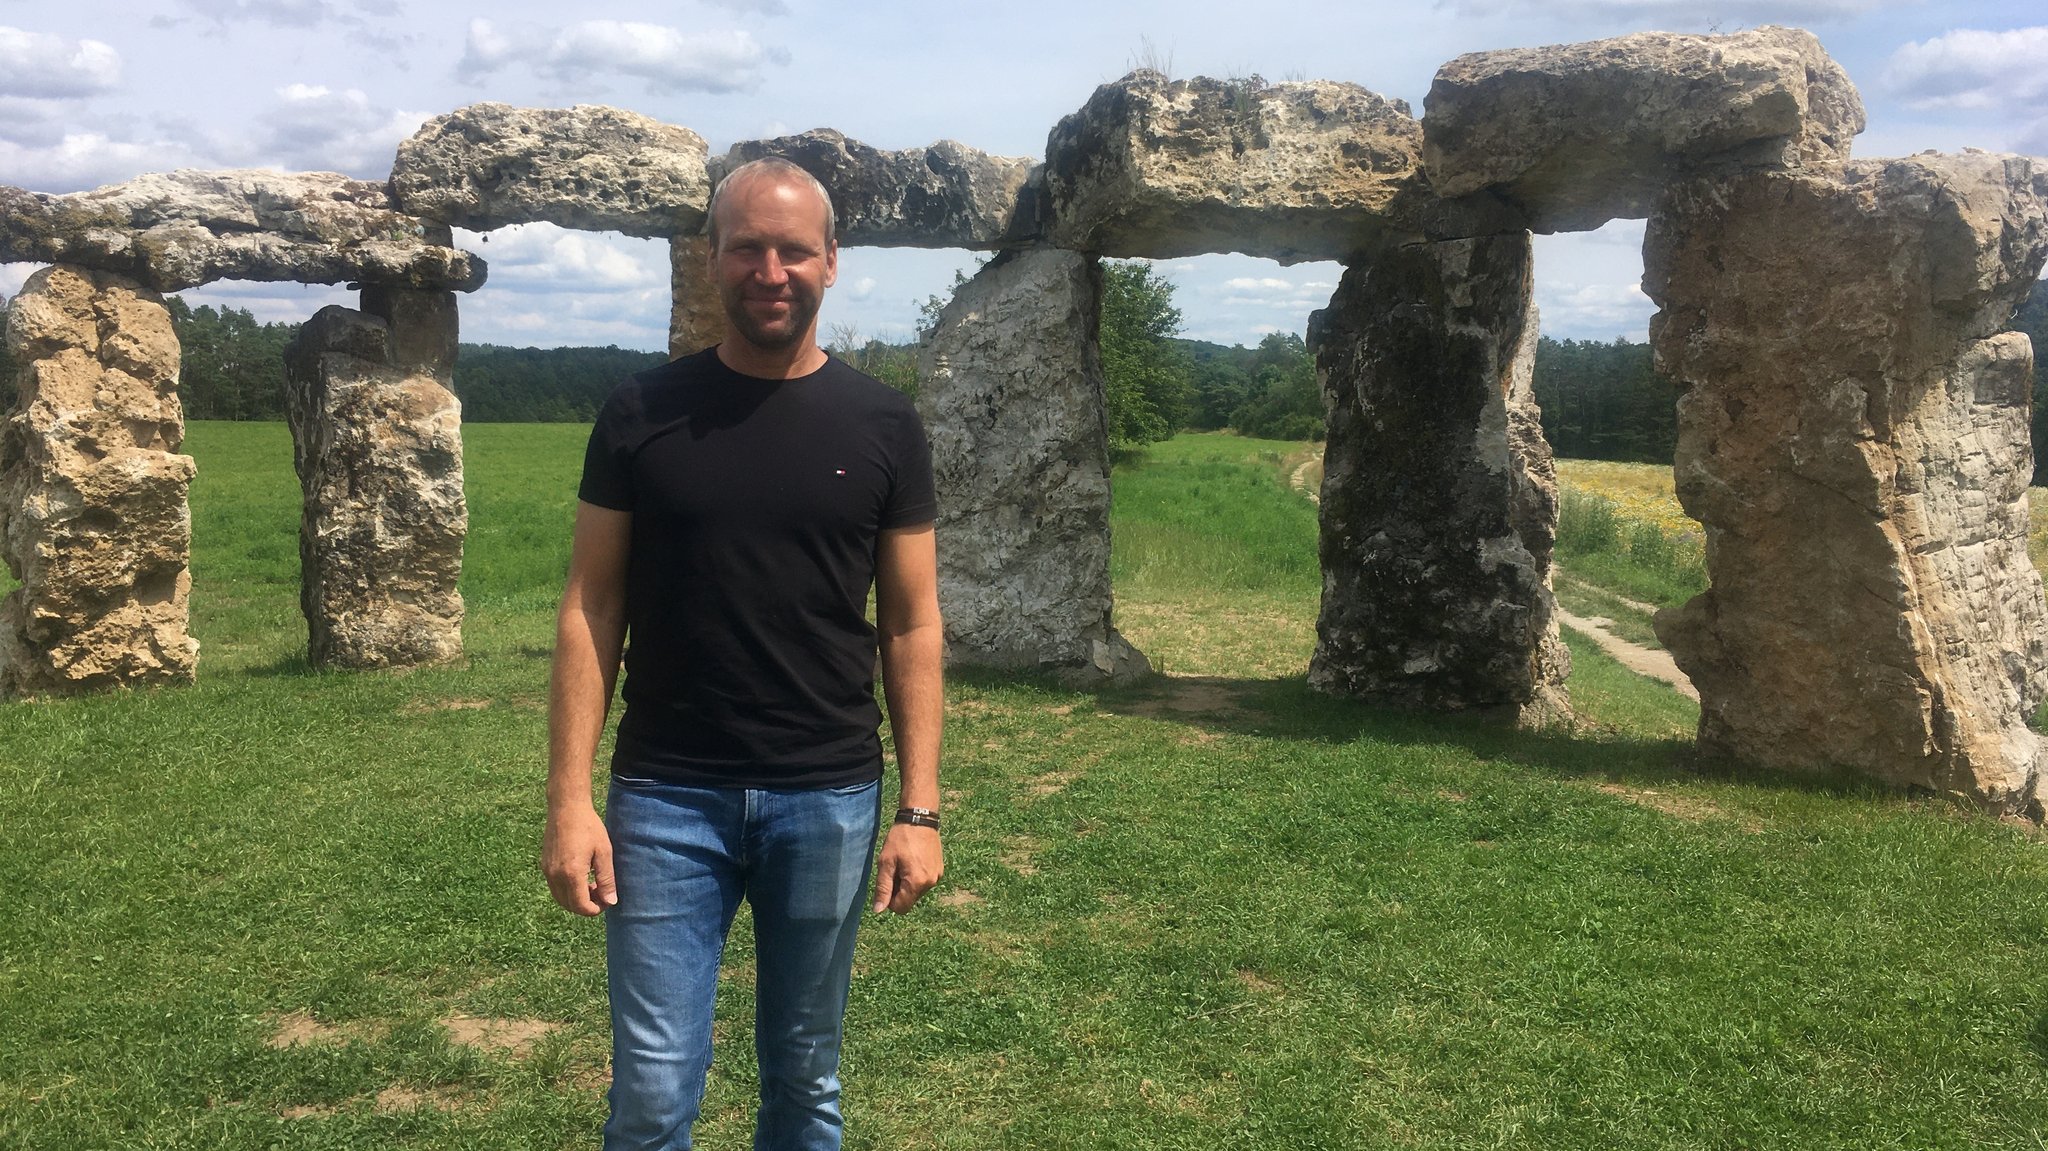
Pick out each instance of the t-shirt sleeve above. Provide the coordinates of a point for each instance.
(608, 460)
(913, 498)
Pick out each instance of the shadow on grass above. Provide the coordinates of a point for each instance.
(1289, 709)
(2038, 1039)
(292, 665)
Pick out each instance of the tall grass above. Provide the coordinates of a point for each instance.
(1634, 557)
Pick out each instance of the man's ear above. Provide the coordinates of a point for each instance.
(831, 263)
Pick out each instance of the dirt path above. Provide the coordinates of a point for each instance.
(1300, 481)
(1633, 656)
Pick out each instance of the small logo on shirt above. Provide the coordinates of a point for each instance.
(838, 471)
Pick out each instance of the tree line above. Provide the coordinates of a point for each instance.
(1599, 400)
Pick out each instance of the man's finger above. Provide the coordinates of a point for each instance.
(606, 889)
(885, 884)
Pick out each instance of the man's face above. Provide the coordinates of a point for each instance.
(772, 263)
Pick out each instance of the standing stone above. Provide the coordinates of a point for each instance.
(93, 518)
(376, 439)
(1011, 396)
(1853, 434)
(696, 317)
(1439, 501)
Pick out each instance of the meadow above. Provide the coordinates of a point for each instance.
(290, 909)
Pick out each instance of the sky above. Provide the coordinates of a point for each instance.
(95, 92)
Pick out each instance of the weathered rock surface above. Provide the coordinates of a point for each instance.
(944, 196)
(1159, 168)
(378, 447)
(1575, 135)
(1012, 400)
(696, 316)
(177, 230)
(589, 167)
(1439, 500)
(1853, 434)
(93, 519)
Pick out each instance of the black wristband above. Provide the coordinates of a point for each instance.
(918, 817)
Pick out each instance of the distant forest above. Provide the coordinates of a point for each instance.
(1600, 400)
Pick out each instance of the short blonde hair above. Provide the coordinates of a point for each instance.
(782, 171)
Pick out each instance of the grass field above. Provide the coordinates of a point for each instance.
(299, 910)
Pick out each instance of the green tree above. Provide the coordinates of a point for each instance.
(1145, 372)
(1286, 401)
(1605, 401)
(231, 367)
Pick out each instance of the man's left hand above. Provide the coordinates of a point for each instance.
(912, 862)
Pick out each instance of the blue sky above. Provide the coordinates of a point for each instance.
(95, 92)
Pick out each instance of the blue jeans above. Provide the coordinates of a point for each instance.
(684, 857)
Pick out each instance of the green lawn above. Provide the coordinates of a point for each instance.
(1217, 911)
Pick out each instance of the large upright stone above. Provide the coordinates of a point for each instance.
(186, 228)
(93, 518)
(1439, 501)
(1159, 168)
(696, 316)
(1853, 434)
(944, 196)
(376, 439)
(1011, 396)
(1575, 135)
(590, 167)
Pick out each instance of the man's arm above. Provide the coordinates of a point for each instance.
(913, 646)
(590, 632)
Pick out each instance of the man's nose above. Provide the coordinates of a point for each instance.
(771, 270)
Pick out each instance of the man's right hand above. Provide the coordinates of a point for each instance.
(576, 857)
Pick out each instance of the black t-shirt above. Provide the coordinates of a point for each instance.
(756, 507)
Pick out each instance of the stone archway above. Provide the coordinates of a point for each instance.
(94, 489)
(1736, 147)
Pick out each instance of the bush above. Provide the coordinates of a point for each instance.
(1586, 524)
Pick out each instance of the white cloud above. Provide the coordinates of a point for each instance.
(669, 60)
(80, 160)
(313, 128)
(756, 7)
(542, 258)
(13, 276)
(283, 13)
(1688, 14)
(1255, 284)
(1972, 69)
(52, 67)
(2033, 141)
(270, 303)
(1593, 311)
(860, 289)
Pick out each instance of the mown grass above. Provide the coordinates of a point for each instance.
(1216, 911)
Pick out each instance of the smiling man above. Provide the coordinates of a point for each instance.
(735, 509)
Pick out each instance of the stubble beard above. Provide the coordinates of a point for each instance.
(778, 339)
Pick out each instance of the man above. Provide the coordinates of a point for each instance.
(736, 507)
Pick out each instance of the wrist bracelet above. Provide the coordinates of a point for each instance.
(918, 817)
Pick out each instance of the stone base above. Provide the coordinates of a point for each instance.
(696, 317)
(1860, 456)
(1012, 399)
(1439, 501)
(378, 447)
(93, 513)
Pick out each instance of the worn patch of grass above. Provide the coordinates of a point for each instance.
(1216, 910)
